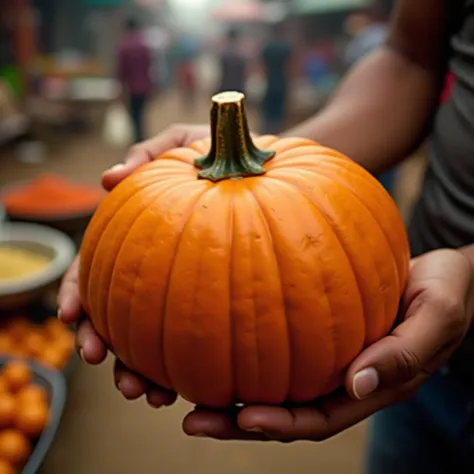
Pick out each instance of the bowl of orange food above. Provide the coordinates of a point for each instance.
(32, 401)
(52, 200)
(32, 259)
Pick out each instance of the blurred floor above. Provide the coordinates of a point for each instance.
(103, 434)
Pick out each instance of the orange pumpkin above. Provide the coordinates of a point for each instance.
(254, 274)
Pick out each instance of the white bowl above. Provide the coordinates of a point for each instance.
(17, 292)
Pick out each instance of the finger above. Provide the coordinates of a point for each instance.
(143, 153)
(136, 158)
(69, 304)
(218, 425)
(158, 398)
(89, 345)
(436, 321)
(314, 423)
(131, 385)
(172, 137)
(266, 423)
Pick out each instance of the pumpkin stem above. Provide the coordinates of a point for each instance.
(233, 153)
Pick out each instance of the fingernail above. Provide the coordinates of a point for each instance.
(81, 354)
(255, 430)
(200, 435)
(365, 383)
(59, 314)
(115, 168)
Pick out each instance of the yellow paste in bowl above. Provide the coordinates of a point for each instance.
(17, 262)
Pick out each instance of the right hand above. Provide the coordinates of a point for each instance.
(89, 344)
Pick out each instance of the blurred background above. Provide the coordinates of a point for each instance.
(80, 82)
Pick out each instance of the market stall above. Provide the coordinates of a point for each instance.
(70, 88)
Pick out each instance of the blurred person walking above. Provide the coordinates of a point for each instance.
(135, 73)
(276, 57)
(186, 51)
(233, 65)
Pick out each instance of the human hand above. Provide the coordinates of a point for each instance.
(88, 343)
(436, 313)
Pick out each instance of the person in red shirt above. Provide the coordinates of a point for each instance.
(134, 73)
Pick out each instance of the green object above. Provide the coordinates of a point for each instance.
(302, 7)
(11, 75)
(233, 153)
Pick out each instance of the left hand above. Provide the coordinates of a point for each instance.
(436, 314)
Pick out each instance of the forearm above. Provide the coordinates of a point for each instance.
(468, 252)
(380, 113)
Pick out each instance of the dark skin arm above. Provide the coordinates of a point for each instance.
(468, 253)
(383, 109)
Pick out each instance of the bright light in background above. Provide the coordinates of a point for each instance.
(190, 14)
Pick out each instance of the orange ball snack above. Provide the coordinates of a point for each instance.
(15, 447)
(17, 375)
(8, 410)
(6, 467)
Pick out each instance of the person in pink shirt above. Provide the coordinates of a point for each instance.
(134, 73)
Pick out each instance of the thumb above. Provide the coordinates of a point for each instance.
(113, 176)
(143, 153)
(414, 350)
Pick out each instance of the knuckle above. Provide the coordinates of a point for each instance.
(135, 149)
(408, 364)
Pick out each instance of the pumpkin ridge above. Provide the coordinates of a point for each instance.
(100, 242)
(356, 172)
(179, 241)
(232, 324)
(266, 141)
(334, 331)
(293, 369)
(359, 172)
(331, 176)
(306, 151)
(105, 281)
(334, 177)
(98, 225)
(127, 317)
(284, 145)
(182, 155)
(299, 150)
(171, 189)
(284, 297)
(390, 205)
(329, 309)
(201, 146)
(337, 232)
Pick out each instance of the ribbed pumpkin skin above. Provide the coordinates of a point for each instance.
(256, 290)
